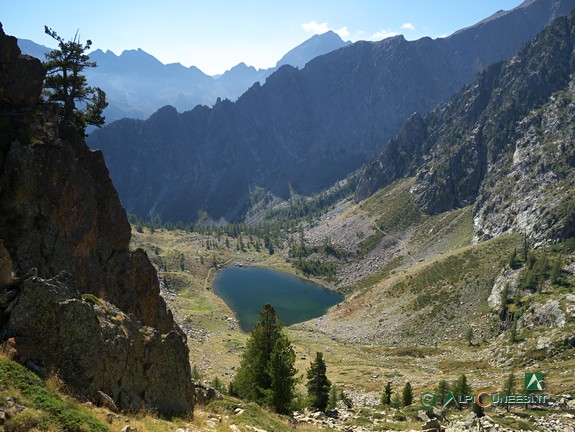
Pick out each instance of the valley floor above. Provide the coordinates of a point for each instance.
(386, 330)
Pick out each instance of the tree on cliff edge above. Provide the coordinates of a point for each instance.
(65, 84)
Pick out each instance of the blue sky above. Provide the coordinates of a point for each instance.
(216, 35)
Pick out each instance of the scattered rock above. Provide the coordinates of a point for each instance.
(204, 395)
(104, 400)
(549, 314)
(332, 414)
(432, 425)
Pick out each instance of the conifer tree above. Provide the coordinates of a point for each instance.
(513, 332)
(332, 401)
(469, 335)
(441, 391)
(556, 272)
(461, 387)
(386, 396)
(318, 385)
(509, 388)
(407, 394)
(66, 85)
(513, 259)
(253, 377)
(282, 372)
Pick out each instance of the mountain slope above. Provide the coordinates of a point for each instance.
(304, 129)
(504, 143)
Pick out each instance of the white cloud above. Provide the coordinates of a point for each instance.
(319, 28)
(314, 27)
(383, 34)
(343, 32)
(407, 26)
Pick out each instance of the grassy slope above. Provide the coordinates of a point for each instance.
(405, 321)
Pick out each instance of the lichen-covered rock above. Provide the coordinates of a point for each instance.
(507, 276)
(548, 314)
(64, 239)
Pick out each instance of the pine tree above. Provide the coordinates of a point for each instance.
(253, 378)
(509, 387)
(318, 385)
(556, 272)
(513, 332)
(469, 336)
(282, 372)
(513, 259)
(461, 387)
(395, 401)
(196, 375)
(441, 391)
(65, 84)
(407, 394)
(386, 396)
(332, 401)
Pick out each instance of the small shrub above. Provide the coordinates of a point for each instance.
(91, 298)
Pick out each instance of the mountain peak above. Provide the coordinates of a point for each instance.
(317, 45)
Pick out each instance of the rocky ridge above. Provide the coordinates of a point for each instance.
(503, 144)
(303, 129)
(74, 300)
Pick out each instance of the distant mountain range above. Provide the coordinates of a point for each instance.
(303, 129)
(137, 84)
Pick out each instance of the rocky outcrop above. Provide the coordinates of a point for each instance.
(21, 77)
(504, 144)
(64, 239)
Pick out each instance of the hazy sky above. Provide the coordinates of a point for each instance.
(216, 35)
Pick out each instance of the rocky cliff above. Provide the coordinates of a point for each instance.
(73, 298)
(504, 143)
(303, 129)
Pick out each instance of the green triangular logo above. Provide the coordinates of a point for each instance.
(448, 399)
(533, 381)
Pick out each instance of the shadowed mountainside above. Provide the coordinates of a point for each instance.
(504, 143)
(74, 299)
(304, 129)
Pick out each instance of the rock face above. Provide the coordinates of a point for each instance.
(504, 143)
(72, 295)
(303, 129)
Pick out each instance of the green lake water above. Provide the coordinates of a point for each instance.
(247, 290)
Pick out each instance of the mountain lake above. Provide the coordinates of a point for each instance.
(247, 290)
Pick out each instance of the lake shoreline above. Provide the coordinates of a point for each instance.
(245, 290)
